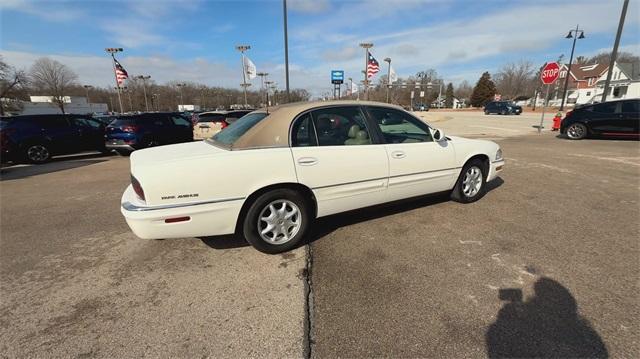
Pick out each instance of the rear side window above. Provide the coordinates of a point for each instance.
(211, 118)
(340, 126)
(631, 106)
(605, 108)
(235, 130)
(155, 120)
(303, 134)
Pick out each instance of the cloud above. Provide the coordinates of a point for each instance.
(55, 11)
(308, 6)
(346, 53)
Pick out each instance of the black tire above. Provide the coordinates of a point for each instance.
(37, 153)
(486, 112)
(459, 194)
(504, 112)
(576, 131)
(250, 225)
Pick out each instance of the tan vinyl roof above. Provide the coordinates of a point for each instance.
(273, 131)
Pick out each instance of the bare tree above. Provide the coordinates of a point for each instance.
(605, 57)
(54, 78)
(463, 90)
(12, 81)
(515, 79)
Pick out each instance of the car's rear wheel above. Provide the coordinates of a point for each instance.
(486, 112)
(37, 153)
(471, 185)
(277, 221)
(576, 131)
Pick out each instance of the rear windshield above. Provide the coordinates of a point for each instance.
(238, 128)
(212, 117)
(122, 121)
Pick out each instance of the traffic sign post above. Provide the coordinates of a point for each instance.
(548, 76)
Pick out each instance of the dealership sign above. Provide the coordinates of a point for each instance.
(550, 73)
(337, 76)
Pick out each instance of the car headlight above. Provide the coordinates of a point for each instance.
(498, 155)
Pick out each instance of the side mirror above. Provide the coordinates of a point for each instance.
(438, 135)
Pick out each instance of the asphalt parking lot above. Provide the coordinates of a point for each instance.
(546, 263)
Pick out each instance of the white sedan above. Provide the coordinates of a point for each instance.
(268, 175)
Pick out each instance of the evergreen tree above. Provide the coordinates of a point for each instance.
(448, 96)
(484, 91)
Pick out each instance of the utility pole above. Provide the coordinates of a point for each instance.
(614, 53)
(388, 59)
(242, 49)
(286, 50)
(573, 47)
(180, 86)
(144, 89)
(366, 46)
(112, 51)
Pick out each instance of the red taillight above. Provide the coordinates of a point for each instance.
(223, 124)
(4, 136)
(129, 128)
(137, 188)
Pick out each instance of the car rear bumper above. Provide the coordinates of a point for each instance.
(111, 146)
(204, 218)
(494, 169)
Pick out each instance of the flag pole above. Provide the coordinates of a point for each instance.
(112, 51)
(242, 49)
(366, 46)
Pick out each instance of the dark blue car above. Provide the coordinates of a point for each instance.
(36, 138)
(133, 132)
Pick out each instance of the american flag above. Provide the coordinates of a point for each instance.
(121, 73)
(372, 66)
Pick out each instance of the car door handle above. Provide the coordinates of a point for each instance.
(398, 154)
(307, 161)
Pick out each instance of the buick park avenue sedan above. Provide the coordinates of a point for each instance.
(284, 168)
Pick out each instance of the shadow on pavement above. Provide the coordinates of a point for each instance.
(325, 225)
(57, 164)
(545, 325)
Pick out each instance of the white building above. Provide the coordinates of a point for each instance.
(41, 105)
(625, 82)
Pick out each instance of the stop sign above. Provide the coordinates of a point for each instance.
(550, 73)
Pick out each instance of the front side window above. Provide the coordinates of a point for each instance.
(180, 121)
(238, 128)
(339, 126)
(606, 108)
(399, 127)
(303, 134)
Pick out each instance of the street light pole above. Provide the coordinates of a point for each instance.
(144, 89)
(87, 87)
(573, 47)
(242, 49)
(366, 46)
(350, 87)
(286, 49)
(614, 53)
(112, 51)
(180, 86)
(262, 76)
(388, 59)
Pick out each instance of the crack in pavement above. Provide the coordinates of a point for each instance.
(308, 304)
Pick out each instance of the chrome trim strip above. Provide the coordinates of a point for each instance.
(346, 183)
(496, 161)
(425, 172)
(128, 206)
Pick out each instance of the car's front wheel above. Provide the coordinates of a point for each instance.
(277, 221)
(577, 131)
(471, 184)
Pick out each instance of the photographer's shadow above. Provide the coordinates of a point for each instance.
(545, 325)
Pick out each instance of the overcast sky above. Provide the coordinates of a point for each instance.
(191, 40)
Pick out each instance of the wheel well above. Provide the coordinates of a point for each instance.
(304, 190)
(483, 158)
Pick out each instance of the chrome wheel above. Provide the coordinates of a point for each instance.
(279, 221)
(576, 131)
(38, 153)
(472, 181)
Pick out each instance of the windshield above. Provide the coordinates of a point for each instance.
(238, 128)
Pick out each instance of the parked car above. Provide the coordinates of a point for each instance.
(619, 119)
(209, 123)
(133, 132)
(502, 108)
(36, 138)
(298, 162)
(104, 119)
(420, 107)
